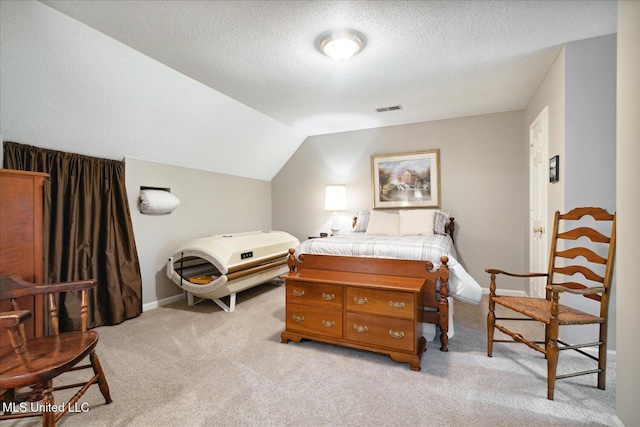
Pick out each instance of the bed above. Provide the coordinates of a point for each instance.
(417, 234)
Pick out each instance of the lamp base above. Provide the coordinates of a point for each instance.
(335, 231)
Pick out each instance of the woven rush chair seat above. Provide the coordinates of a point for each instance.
(540, 310)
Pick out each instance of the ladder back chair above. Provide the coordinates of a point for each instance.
(28, 366)
(593, 260)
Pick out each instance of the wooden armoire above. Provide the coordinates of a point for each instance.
(21, 240)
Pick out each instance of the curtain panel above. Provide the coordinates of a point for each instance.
(87, 232)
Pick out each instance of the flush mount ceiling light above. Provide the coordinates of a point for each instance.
(341, 44)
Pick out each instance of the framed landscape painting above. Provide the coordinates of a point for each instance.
(407, 180)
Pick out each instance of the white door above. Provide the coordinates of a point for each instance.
(538, 182)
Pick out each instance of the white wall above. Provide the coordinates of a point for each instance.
(483, 173)
(590, 123)
(628, 203)
(210, 203)
(590, 151)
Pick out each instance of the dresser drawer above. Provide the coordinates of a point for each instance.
(380, 331)
(385, 303)
(314, 320)
(329, 296)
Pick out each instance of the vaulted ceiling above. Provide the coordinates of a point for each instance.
(437, 59)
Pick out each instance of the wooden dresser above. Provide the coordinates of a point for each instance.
(337, 300)
(21, 238)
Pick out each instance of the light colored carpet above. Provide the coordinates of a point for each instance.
(199, 366)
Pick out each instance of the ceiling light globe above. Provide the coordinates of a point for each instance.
(341, 49)
(341, 45)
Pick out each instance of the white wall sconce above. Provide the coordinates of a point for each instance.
(158, 201)
(335, 200)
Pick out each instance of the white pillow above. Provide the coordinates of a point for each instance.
(442, 219)
(363, 221)
(416, 222)
(383, 223)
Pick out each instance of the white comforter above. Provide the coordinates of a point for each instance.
(428, 248)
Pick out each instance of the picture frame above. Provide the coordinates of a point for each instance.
(406, 180)
(554, 169)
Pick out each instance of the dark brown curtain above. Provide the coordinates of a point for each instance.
(87, 232)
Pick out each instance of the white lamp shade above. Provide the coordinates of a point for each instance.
(335, 198)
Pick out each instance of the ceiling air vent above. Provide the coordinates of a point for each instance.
(392, 108)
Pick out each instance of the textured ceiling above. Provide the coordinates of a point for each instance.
(438, 59)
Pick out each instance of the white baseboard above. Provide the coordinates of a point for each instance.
(151, 305)
(506, 292)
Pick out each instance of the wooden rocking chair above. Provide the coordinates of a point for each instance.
(29, 366)
(565, 261)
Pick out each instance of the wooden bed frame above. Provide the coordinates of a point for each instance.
(431, 308)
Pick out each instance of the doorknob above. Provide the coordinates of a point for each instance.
(538, 230)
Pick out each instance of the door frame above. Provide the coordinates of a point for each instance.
(538, 192)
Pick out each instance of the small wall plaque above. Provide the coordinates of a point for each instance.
(554, 169)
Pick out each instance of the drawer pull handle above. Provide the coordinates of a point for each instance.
(298, 293)
(396, 304)
(328, 324)
(360, 301)
(328, 297)
(396, 334)
(359, 328)
(298, 318)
